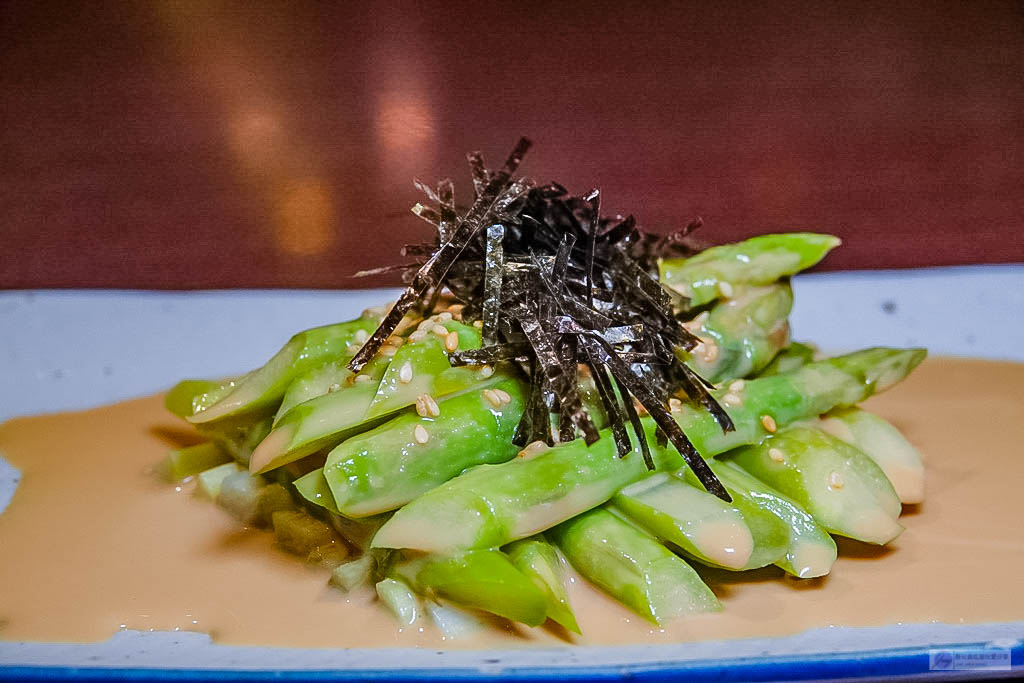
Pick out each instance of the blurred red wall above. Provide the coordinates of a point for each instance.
(186, 144)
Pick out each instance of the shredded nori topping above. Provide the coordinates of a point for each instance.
(558, 287)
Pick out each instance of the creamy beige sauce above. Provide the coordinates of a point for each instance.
(93, 542)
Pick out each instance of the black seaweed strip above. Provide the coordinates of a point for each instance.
(569, 353)
(551, 366)
(446, 200)
(693, 385)
(634, 420)
(437, 265)
(490, 354)
(426, 213)
(481, 176)
(663, 419)
(594, 200)
(494, 268)
(616, 418)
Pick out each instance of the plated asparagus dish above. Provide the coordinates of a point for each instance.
(556, 390)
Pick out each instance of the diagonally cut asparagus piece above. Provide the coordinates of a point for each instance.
(699, 523)
(789, 358)
(632, 567)
(843, 489)
(306, 350)
(810, 551)
(386, 467)
(492, 505)
(741, 335)
(479, 579)
(762, 260)
(884, 444)
(539, 560)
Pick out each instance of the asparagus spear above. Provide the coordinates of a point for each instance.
(741, 335)
(810, 551)
(761, 260)
(421, 366)
(479, 579)
(392, 464)
(330, 377)
(191, 460)
(699, 523)
(789, 358)
(418, 368)
(632, 567)
(843, 489)
(306, 350)
(492, 505)
(403, 602)
(316, 424)
(737, 535)
(192, 395)
(884, 444)
(538, 559)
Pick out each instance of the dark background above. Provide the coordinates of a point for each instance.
(172, 144)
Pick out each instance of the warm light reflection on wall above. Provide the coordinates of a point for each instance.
(272, 157)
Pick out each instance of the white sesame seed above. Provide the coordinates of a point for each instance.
(405, 373)
(478, 324)
(394, 341)
(776, 455)
(444, 316)
(503, 395)
(421, 406)
(433, 410)
(420, 434)
(451, 342)
(334, 387)
(737, 386)
(388, 350)
(835, 480)
(440, 331)
(732, 400)
(417, 336)
(726, 289)
(675, 405)
(425, 325)
(456, 311)
(361, 336)
(492, 397)
(362, 378)
(486, 371)
(768, 422)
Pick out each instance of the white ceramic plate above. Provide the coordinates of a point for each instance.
(74, 350)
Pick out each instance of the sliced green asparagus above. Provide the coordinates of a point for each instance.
(492, 505)
(699, 523)
(412, 454)
(810, 551)
(539, 560)
(789, 359)
(761, 260)
(843, 489)
(884, 444)
(421, 366)
(304, 351)
(632, 567)
(479, 579)
(191, 460)
(742, 334)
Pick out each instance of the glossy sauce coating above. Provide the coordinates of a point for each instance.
(93, 542)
